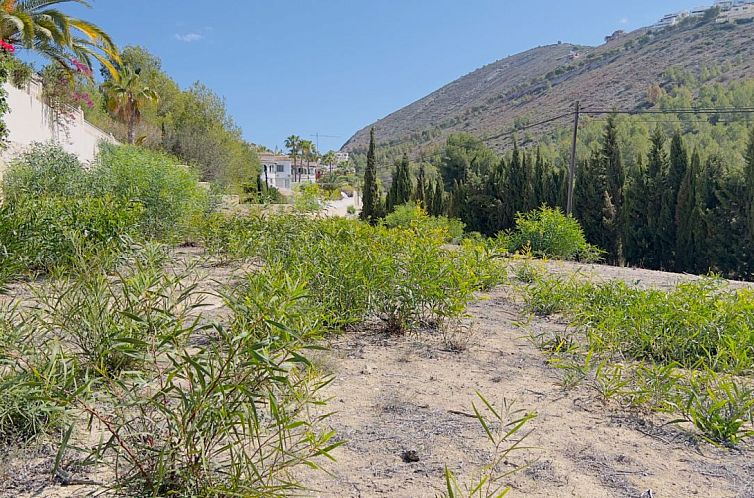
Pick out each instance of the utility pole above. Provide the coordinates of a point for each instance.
(572, 167)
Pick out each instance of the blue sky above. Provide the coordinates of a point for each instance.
(334, 66)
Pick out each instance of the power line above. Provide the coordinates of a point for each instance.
(633, 112)
(524, 128)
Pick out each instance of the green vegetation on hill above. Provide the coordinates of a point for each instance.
(663, 191)
(192, 124)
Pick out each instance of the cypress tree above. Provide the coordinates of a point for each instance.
(660, 213)
(687, 219)
(615, 178)
(422, 191)
(588, 199)
(404, 190)
(517, 188)
(371, 208)
(637, 226)
(541, 181)
(401, 190)
(679, 164)
(438, 203)
(749, 190)
(528, 202)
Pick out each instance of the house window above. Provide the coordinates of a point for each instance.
(281, 168)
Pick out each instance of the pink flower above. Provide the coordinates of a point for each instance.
(81, 67)
(7, 47)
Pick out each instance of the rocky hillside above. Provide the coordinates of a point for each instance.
(546, 81)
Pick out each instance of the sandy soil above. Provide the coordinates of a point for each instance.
(398, 394)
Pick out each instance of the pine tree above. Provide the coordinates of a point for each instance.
(371, 202)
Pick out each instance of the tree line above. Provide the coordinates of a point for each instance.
(675, 208)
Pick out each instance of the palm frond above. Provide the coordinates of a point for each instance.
(32, 5)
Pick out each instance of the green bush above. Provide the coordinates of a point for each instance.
(169, 192)
(34, 381)
(45, 169)
(233, 417)
(412, 216)
(550, 233)
(354, 271)
(38, 234)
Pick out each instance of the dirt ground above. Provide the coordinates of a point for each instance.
(394, 395)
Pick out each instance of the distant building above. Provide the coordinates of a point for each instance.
(699, 12)
(724, 5)
(671, 19)
(342, 157)
(279, 172)
(739, 12)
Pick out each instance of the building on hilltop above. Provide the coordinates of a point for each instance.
(671, 19)
(739, 12)
(279, 172)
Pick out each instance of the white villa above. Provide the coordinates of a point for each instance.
(278, 171)
(342, 157)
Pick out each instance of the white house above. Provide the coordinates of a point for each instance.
(671, 19)
(30, 120)
(342, 157)
(278, 171)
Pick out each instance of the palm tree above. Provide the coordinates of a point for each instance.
(126, 96)
(293, 143)
(329, 159)
(66, 40)
(308, 151)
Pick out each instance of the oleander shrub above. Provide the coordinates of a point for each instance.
(107, 318)
(44, 170)
(169, 192)
(232, 416)
(549, 233)
(411, 215)
(38, 234)
(406, 276)
(36, 379)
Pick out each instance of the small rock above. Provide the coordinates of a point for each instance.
(410, 456)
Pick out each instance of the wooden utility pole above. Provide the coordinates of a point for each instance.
(572, 167)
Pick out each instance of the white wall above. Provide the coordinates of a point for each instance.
(30, 120)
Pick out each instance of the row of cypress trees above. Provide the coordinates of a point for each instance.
(674, 210)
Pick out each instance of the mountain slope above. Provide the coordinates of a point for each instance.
(546, 81)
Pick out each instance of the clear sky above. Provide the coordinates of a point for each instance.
(334, 66)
